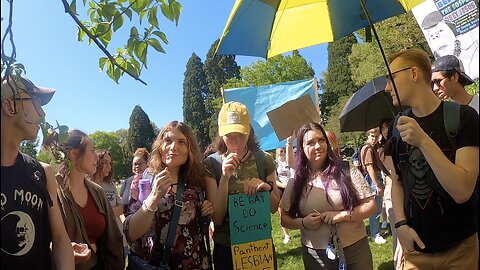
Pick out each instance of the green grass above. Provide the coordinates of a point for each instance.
(289, 256)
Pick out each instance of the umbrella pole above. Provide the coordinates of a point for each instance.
(364, 7)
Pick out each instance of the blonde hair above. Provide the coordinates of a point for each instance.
(418, 58)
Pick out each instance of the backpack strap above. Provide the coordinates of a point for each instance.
(216, 161)
(451, 120)
(39, 177)
(396, 135)
(260, 160)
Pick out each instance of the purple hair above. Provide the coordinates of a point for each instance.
(332, 169)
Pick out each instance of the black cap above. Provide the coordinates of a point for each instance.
(451, 62)
(25, 85)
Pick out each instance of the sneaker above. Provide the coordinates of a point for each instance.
(286, 239)
(379, 240)
(384, 225)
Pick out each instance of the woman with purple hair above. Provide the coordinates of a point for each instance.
(327, 206)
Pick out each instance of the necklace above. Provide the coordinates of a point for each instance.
(244, 155)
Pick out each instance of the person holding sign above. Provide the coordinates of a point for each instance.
(236, 170)
(176, 167)
(326, 203)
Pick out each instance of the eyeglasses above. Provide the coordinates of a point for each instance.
(389, 79)
(35, 101)
(438, 82)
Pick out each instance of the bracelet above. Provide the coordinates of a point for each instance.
(270, 183)
(303, 225)
(401, 223)
(149, 209)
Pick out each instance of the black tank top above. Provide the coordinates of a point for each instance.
(26, 232)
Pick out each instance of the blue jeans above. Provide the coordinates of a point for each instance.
(374, 219)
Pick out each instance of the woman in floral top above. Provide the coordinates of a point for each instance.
(175, 152)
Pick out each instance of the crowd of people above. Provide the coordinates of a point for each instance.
(422, 176)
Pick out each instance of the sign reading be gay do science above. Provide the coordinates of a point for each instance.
(251, 231)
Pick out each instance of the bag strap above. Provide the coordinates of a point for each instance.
(260, 160)
(203, 223)
(39, 177)
(216, 161)
(451, 120)
(172, 228)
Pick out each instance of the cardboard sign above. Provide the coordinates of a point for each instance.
(292, 115)
(253, 255)
(249, 217)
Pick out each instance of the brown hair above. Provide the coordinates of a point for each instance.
(416, 58)
(76, 139)
(193, 171)
(101, 153)
(142, 152)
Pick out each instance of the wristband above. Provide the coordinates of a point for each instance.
(149, 209)
(401, 223)
(303, 225)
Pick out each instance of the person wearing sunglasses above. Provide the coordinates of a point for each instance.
(31, 218)
(434, 199)
(449, 80)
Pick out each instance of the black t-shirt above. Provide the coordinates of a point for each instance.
(26, 233)
(440, 222)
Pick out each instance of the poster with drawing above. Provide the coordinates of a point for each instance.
(451, 27)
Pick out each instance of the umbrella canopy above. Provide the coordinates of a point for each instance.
(367, 107)
(265, 28)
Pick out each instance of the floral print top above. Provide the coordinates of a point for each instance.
(189, 250)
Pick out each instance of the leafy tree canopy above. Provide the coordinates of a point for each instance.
(99, 21)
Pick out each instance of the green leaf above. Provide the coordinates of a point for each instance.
(140, 51)
(161, 35)
(73, 7)
(152, 17)
(117, 23)
(167, 12)
(80, 34)
(110, 70)
(102, 61)
(62, 133)
(176, 10)
(128, 12)
(134, 32)
(116, 74)
(139, 5)
(156, 45)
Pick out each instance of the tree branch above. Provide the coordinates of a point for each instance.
(90, 35)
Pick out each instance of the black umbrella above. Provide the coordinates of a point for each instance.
(367, 107)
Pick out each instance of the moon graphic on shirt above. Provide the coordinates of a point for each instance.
(24, 232)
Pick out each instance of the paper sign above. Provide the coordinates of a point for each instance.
(253, 255)
(292, 115)
(249, 217)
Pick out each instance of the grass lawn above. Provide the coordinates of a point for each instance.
(290, 256)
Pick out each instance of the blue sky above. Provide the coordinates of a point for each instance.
(45, 38)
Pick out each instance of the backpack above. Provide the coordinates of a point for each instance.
(451, 120)
(216, 161)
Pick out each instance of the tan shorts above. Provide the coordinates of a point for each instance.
(463, 256)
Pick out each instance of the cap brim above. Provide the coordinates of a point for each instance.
(224, 130)
(470, 81)
(44, 94)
